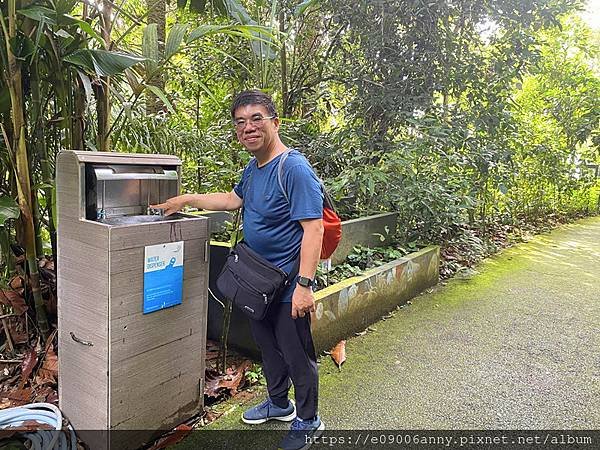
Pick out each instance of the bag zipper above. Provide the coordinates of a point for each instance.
(259, 261)
(241, 281)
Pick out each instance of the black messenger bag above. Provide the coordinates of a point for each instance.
(250, 281)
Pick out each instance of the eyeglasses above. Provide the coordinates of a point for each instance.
(255, 121)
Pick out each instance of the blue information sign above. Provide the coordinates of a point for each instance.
(163, 276)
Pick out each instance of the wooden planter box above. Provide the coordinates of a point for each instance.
(343, 308)
(370, 231)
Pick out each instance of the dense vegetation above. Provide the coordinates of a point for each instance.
(462, 116)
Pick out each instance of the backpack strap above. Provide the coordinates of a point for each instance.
(280, 177)
(280, 173)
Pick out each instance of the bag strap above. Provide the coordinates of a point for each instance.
(236, 227)
(280, 175)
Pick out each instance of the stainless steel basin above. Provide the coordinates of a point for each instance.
(135, 220)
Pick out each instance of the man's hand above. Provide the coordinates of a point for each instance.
(172, 205)
(303, 301)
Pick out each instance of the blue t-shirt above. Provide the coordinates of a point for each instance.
(271, 226)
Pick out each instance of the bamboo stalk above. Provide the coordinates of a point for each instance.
(19, 147)
(224, 336)
(11, 347)
(42, 151)
(103, 89)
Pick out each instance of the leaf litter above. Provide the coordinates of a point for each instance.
(29, 371)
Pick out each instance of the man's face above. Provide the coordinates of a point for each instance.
(254, 129)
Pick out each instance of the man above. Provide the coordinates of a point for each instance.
(280, 231)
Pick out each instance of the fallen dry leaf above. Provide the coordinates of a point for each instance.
(7, 371)
(338, 353)
(180, 432)
(13, 299)
(16, 282)
(52, 303)
(217, 383)
(49, 369)
(211, 384)
(244, 396)
(211, 355)
(42, 393)
(210, 416)
(17, 329)
(19, 396)
(52, 398)
(237, 376)
(31, 425)
(27, 366)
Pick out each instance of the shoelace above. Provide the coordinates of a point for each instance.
(299, 425)
(265, 406)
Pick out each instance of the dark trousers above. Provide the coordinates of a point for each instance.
(288, 353)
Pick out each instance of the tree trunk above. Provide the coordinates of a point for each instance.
(19, 147)
(284, 75)
(102, 91)
(157, 11)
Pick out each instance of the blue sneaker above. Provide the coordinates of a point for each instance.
(268, 410)
(302, 434)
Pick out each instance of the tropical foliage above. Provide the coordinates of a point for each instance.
(462, 116)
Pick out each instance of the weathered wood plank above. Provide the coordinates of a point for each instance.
(131, 282)
(132, 303)
(124, 237)
(94, 234)
(133, 258)
(83, 375)
(151, 331)
(177, 366)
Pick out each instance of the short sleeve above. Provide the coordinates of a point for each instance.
(304, 192)
(240, 186)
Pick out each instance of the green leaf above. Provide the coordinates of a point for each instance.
(103, 63)
(22, 47)
(8, 209)
(204, 30)
(208, 92)
(4, 99)
(197, 5)
(63, 7)
(39, 14)
(81, 58)
(64, 34)
(112, 63)
(161, 95)
(174, 40)
(237, 11)
(87, 86)
(87, 28)
(220, 6)
(302, 7)
(150, 48)
(53, 205)
(133, 81)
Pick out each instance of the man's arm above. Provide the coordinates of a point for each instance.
(219, 201)
(303, 300)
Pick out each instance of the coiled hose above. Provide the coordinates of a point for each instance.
(43, 413)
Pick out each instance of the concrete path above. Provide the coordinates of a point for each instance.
(516, 345)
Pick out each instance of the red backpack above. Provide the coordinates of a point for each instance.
(332, 225)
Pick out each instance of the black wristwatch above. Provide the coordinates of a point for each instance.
(305, 282)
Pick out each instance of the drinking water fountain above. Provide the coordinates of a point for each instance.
(132, 298)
